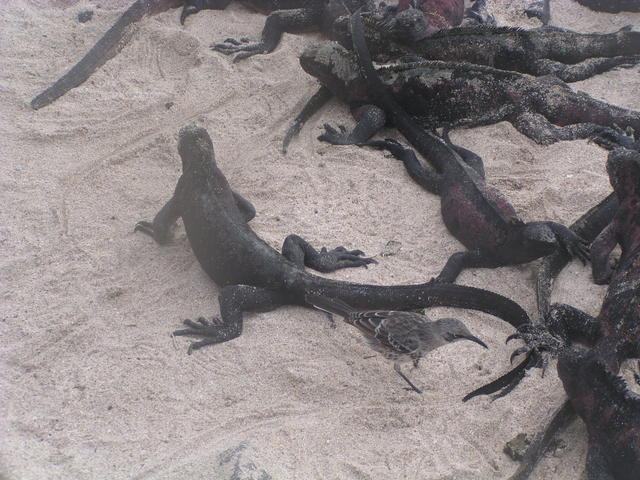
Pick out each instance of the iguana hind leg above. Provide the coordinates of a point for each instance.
(583, 70)
(542, 131)
(277, 23)
(463, 260)
(300, 252)
(370, 120)
(234, 300)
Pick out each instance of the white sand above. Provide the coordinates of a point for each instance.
(93, 385)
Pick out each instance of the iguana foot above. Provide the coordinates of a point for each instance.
(145, 227)
(161, 236)
(242, 47)
(616, 137)
(213, 330)
(540, 10)
(576, 247)
(339, 257)
(537, 339)
(335, 137)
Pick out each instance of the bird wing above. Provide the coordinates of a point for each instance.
(398, 331)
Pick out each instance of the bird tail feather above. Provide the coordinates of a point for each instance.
(330, 305)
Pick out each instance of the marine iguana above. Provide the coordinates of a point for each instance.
(478, 215)
(414, 19)
(106, 48)
(612, 6)
(440, 93)
(592, 350)
(255, 277)
(570, 56)
(286, 14)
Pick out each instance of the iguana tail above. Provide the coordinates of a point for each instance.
(430, 146)
(107, 47)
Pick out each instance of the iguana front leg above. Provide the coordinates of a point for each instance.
(246, 207)
(160, 228)
(462, 260)
(234, 300)
(575, 246)
(540, 130)
(583, 70)
(300, 252)
(277, 23)
(370, 120)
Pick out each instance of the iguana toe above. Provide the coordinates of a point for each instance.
(186, 11)
(144, 226)
(332, 136)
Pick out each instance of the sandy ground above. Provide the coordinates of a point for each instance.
(93, 386)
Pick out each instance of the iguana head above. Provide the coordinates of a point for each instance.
(336, 68)
(195, 148)
(623, 167)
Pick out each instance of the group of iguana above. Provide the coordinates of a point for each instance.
(452, 68)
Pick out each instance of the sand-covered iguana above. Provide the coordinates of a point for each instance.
(284, 15)
(255, 277)
(439, 94)
(478, 215)
(571, 56)
(591, 350)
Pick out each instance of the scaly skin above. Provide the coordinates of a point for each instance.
(284, 15)
(255, 277)
(612, 6)
(571, 56)
(592, 349)
(106, 48)
(478, 215)
(459, 94)
(438, 14)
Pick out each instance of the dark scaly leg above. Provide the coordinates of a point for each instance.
(560, 420)
(426, 178)
(277, 23)
(314, 104)
(245, 206)
(583, 70)
(160, 228)
(462, 260)
(542, 131)
(370, 120)
(568, 322)
(234, 300)
(300, 252)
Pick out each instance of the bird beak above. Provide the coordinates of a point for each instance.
(474, 339)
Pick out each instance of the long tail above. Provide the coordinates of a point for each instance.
(433, 148)
(330, 305)
(107, 47)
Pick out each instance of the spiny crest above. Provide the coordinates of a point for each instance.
(475, 30)
(615, 384)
